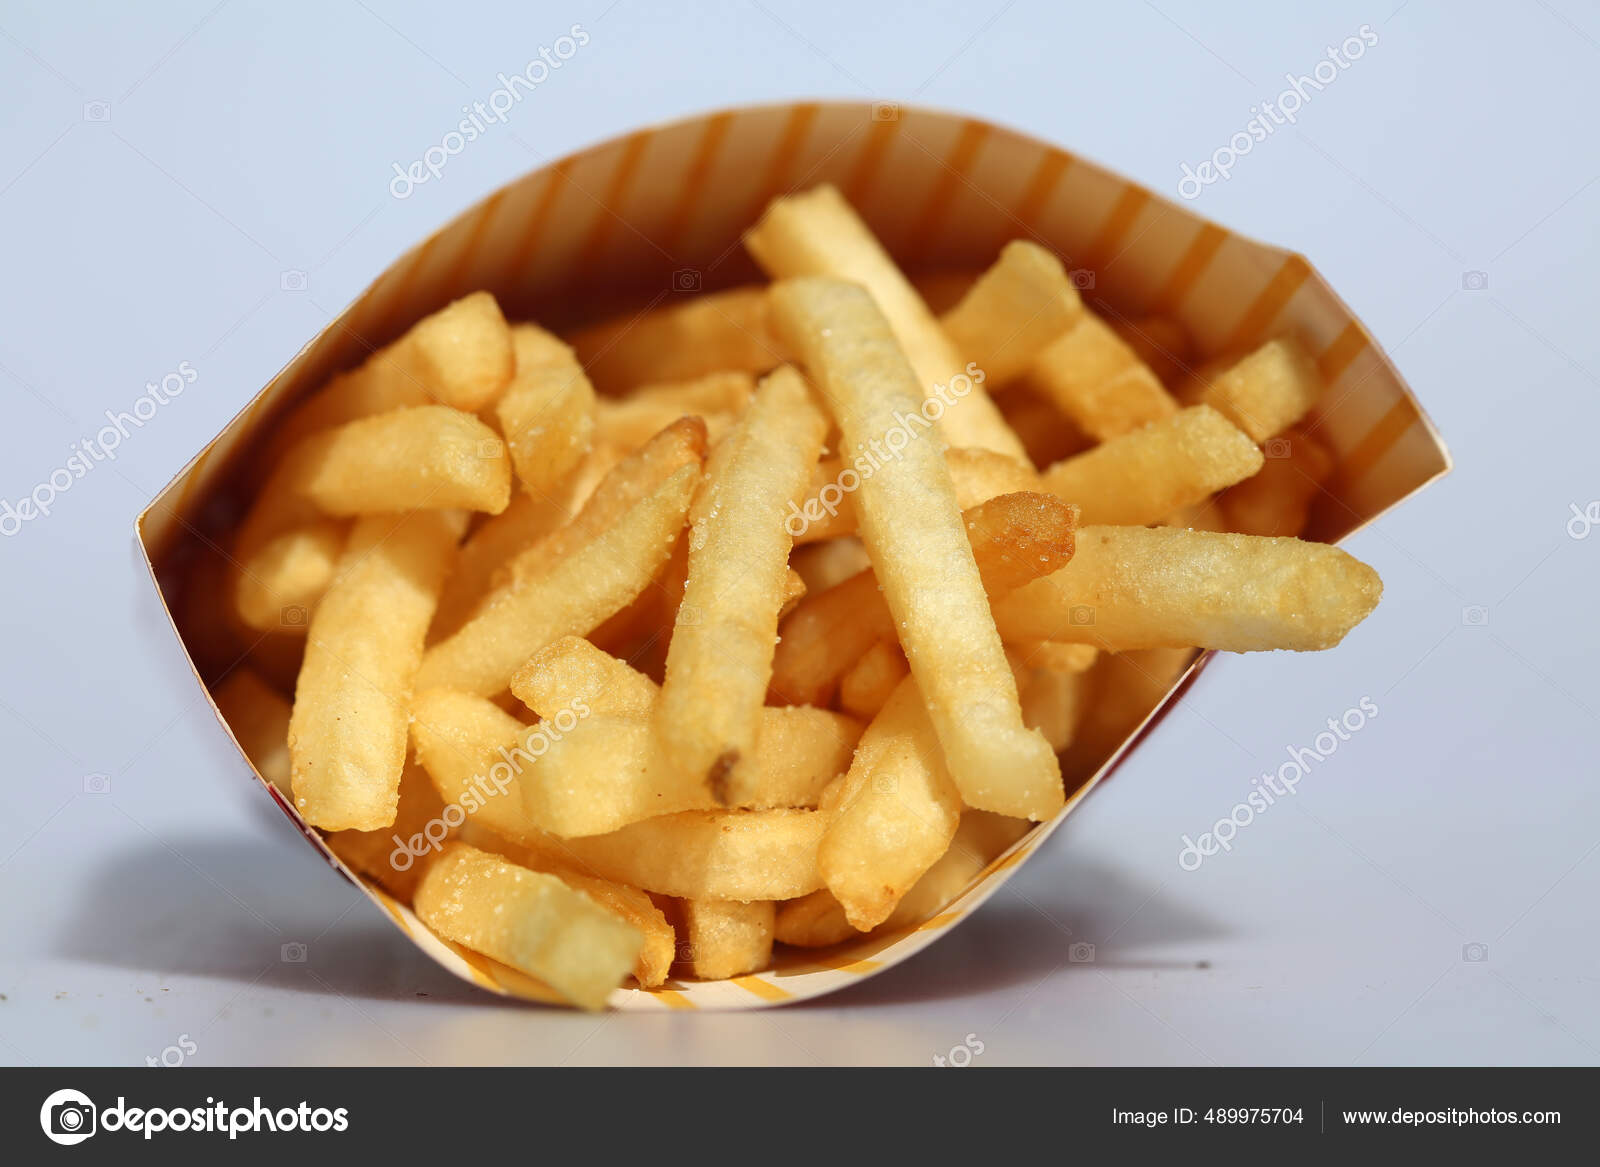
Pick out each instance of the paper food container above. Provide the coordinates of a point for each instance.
(659, 213)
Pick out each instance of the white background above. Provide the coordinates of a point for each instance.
(249, 139)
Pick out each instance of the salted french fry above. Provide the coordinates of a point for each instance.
(726, 938)
(1093, 377)
(1013, 539)
(460, 356)
(1017, 307)
(529, 920)
(720, 659)
(1123, 688)
(258, 717)
(572, 669)
(794, 590)
(632, 420)
(1237, 593)
(1147, 474)
(278, 587)
(1277, 501)
(1269, 390)
(378, 855)
(347, 733)
(818, 920)
(1160, 342)
(656, 955)
(424, 457)
(895, 815)
(626, 484)
(707, 334)
(570, 595)
(869, 682)
(818, 234)
(526, 520)
(912, 527)
(1205, 515)
(547, 412)
(583, 771)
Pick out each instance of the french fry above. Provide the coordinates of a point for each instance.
(529, 920)
(942, 290)
(1045, 432)
(720, 660)
(347, 733)
(818, 234)
(895, 815)
(375, 853)
(1145, 475)
(1277, 501)
(823, 564)
(1053, 698)
(258, 717)
(569, 596)
(656, 955)
(1016, 308)
(526, 520)
(424, 457)
(1160, 342)
(1012, 539)
(794, 590)
(460, 356)
(913, 530)
(869, 682)
(571, 670)
(1269, 390)
(583, 771)
(278, 586)
(708, 334)
(547, 412)
(818, 920)
(628, 483)
(1153, 587)
(726, 938)
(1123, 688)
(1092, 376)
(632, 420)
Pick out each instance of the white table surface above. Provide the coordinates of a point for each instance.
(241, 140)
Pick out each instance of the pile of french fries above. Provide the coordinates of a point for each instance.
(771, 616)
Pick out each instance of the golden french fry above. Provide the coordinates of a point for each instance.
(1017, 307)
(869, 682)
(583, 771)
(278, 587)
(726, 938)
(347, 733)
(1237, 593)
(1013, 539)
(626, 484)
(720, 659)
(708, 334)
(635, 907)
(424, 457)
(572, 669)
(258, 717)
(1123, 688)
(1053, 698)
(1092, 376)
(1146, 474)
(818, 234)
(1277, 501)
(913, 530)
(1269, 390)
(377, 854)
(1160, 342)
(794, 590)
(526, 520)
(632, 420)
(460, 356)
(529, 920)
(547, 412)
(818, 920)
(895, 814)
(569, 596)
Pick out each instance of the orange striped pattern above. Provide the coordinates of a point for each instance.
(1379, 441)
(1346, 347)
(607, 215)
(671, 998)
(766, 990)
(456, 279)
(1285, 282)
(1190, 267)
(1108, 243)
(952, 176)
(775, 182)
(694, 181)
(1046, 177)
(522, 251)
(865, 172)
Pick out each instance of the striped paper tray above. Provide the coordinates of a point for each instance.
(648, 217)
